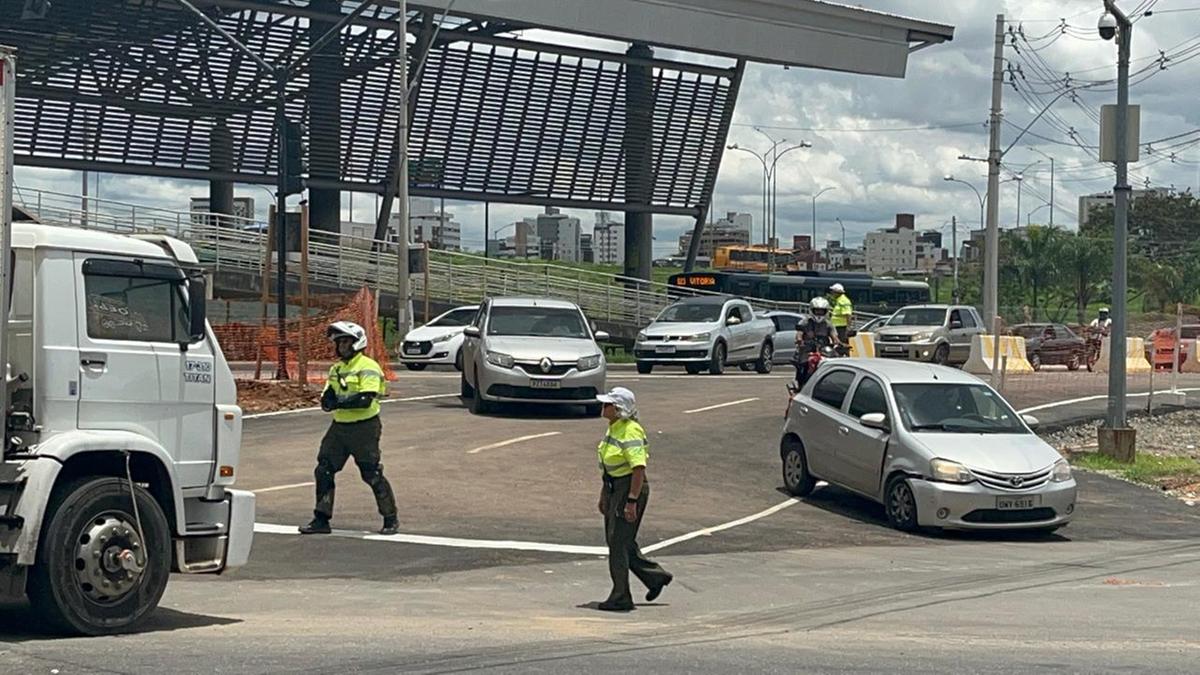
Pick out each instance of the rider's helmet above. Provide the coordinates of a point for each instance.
(1103, 312)
(348, 329)
(819, 307)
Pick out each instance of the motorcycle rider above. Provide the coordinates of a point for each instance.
(1103, 323)
(813, 333)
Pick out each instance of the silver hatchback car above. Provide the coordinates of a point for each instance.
(532, 350)
(936, 446)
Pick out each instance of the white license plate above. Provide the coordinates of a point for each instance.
(1018, 503)
(664, 349)
(894, 350)
(545, 384)
(412, 350)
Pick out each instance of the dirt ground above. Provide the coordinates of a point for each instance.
(257, 396)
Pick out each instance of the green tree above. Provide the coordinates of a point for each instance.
(1085, 263)
(1158, 223)
(1029, 264)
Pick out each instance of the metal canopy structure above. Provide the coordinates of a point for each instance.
(499, 113)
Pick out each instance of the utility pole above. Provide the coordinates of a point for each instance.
(1115, 423)
(991, 266)
(1052, 192)
(403, 287)
(954, 251)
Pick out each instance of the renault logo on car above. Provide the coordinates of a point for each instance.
(545, 364)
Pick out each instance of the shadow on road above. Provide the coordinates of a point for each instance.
(18, 623)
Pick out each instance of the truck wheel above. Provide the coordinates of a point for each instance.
(941, 355)
(765, 359)
(95, 574)
(644, 368)
(717, 365)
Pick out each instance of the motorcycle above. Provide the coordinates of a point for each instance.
(1095, 340)
(816, 354)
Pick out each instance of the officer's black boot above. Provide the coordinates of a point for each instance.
(318, 525)
(390, 525)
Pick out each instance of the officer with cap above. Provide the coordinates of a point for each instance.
(352, 394)
(623, 497)
(842, 312)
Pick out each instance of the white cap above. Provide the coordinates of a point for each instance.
(623, 400)
(1104, 310)
(837, 288)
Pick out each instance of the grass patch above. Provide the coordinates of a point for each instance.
(616, 354)
(1146, 468)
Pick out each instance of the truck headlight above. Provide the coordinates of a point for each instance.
(590, 362)
(1062, 471)
(443, 338)
(501, 360)
(699, 337)
(950, 472)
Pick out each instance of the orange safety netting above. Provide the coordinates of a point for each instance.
(305, 340)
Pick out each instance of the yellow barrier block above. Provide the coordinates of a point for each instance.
(862, 345)
(983, 357)
(1135, 356)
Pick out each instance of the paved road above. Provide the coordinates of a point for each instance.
(818, 585)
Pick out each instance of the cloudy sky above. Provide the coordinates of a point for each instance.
(884, 145)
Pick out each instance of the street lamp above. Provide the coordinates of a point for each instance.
(1029, 215)
(775, 199)
(1051, 182)
(954, 235)
(765, 178)
(814, 213)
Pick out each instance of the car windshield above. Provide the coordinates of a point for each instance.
(956, 409)
(686, 312)
(1191, 332)
(921, 316)
(1029, 331)
(537, 321)
(456, 318)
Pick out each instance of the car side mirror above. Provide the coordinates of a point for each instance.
(875, 421)
(602, 336)
(1031, 421)
(197, 290)
(732, 321)
(956, 325)
(472, 331)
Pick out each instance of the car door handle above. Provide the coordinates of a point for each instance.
(803, 410)
(93, 361)
(845, 431)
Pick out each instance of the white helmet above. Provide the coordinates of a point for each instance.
(344, 329)
(837, 288)
(1104, 310)
(819, 304)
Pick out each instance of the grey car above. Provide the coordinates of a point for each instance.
(939, 334)
(785, 334)
(936, 446)
(532, 350)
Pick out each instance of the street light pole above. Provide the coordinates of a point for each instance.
(814, 214)
(1116, 418)
(775, 201)
(765, 183)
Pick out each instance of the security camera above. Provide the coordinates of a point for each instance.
(1107, 26)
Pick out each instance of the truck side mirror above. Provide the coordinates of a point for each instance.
(197, 289)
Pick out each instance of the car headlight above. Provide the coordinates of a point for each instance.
(950, 472)
(1062, 471)
(590, 362)
(641, 336)
(501, 360)
(921, 337)
(443, 338)
(699, 337)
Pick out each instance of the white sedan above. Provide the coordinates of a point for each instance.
(438, 342)
(936, 446)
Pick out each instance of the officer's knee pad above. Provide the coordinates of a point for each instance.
(323, 473)
(370, 472)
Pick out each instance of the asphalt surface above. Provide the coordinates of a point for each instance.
(817, 585)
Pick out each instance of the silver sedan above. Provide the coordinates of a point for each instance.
(936, 446)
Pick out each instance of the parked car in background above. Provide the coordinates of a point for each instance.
(1052, 344)
(934, 333)
(936, 446)
(438, 342)
(1190, 332)
(706, 333)
(875, 324)
(785, 334)
(532, 350)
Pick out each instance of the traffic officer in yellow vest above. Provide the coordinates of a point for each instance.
(842, 312)
(623, 497)
(352, 394)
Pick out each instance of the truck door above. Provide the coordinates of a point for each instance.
(134, 374)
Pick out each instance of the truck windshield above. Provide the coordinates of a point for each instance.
(690, 313)
(537, 322)
(920, 316)
(955, 409)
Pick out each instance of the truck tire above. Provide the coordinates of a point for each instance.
(78, 584)
(717, 365)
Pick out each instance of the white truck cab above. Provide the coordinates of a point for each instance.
(123, 430)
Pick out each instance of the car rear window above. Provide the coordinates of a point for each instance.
(831, 389)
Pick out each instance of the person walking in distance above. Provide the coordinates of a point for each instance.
(352, 394)
(843, 312)
(623, 498)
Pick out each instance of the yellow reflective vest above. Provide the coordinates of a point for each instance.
(358, 375)
(842, 310)
(623, 449)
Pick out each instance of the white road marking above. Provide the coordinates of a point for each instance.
(720, 405)
(268, 528)
(277, 413)
(274, 488)
(518, 439)
(706, 379)
(1098, 397)
(428, 397)
(723, 526)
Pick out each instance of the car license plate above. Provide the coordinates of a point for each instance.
(664, 349)
(894, 350)
(545, 384)
(1018, 503)
(412, 349)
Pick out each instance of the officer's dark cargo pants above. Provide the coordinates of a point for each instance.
(624, 555)
(359, 440)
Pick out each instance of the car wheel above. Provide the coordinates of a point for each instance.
(1035, 360)
(644, 368)
(766, 359)
(1073, 364)
(746, 367)
(796, 479)
(941, 355)
(416, 366)
(458, 364)
(901, 504)
(594, 410)
(478, 405)
(465, 390)
(717, 365)
(693, 369)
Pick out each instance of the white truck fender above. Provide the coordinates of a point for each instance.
(39, 476)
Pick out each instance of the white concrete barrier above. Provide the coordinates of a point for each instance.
(1191, 364)
(1135, 356)
(983, 356)
(862, 345)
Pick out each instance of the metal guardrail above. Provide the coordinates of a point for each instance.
(225, 242)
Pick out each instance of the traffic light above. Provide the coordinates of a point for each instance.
(295, 162)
